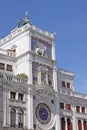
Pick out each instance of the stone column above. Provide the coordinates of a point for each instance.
(29, 114)
(17, 111)
(16, 96)
(47, 79)
(66, 125)
(4, 107)
(58, 118)
(39, 76)
(53, 50)
(82, 123)
(74, 123)
(64, 106)
(9, 116)
(55, 78)
(80, 108)
(29, 36)
(30, 71)
(24, 120)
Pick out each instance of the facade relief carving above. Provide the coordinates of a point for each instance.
(41, 51)
(41, 47)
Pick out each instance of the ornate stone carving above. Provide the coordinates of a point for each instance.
(41, 51)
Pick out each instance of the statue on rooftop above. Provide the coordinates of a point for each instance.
(26, 20)
(19, 22)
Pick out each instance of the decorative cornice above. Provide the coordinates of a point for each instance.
(17, 31)
(62, 71)
(8, 58)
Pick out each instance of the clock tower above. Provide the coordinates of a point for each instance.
(44, 81)
(35, 56)
(34, 93)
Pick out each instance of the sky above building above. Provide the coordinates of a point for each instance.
(66, 18)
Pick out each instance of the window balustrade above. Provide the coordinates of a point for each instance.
(44, 81)
(9, 77)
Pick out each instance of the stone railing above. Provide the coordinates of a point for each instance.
(10, 77)
(79, 95)
(18, 31)
(2, 51)
(81, 115)
(43, 82)
(14, 128)
(66, 91)
(66, 112)
(7, 52)
(65, 72)
(43, 32)
(70, 92)
(14, 33)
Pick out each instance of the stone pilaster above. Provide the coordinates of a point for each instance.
(74, 118)
(82, 123)
(29, 115)
(4, 107)
(55, 78)
(30, 71)
(58, 120)
(53, 50)
(66, 125)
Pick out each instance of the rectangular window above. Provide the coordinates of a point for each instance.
(68, 107)
(63, 84)
(77, 108)
(83, 109)
(11, 52)
(20, 96)
(68, 85)
(9, 67)
(2, 66)
(61, 105)
(12, 95)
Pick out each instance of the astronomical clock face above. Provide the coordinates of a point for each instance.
(43, 113)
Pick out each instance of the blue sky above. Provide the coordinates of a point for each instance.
(68, 18)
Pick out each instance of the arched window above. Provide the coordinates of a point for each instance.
(69, 124)
(62, 123)
(20, 118)
(12, 117)
(79, 125)
(85, 125)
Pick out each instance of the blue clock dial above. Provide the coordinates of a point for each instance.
(43, 113)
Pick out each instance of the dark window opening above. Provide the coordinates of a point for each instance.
(2, 66)
(20, 96)
(77, 108)
(62, 105)
(12, 95)
(9, 67)
(63, 84)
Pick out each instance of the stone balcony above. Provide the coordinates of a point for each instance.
(14, 128)
(42, 83)
(66, 113)
(8, 77)
(8, 52)
(45, 85)
(81, 115)
(70, 92)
